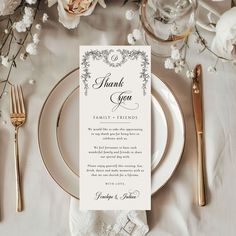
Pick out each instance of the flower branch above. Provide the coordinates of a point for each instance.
(204, 43)
(21, 22)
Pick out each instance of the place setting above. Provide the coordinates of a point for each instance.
(58, 137)
(60, 151)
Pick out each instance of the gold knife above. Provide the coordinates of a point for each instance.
(198, 116)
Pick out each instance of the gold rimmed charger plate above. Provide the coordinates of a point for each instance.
(51, 154)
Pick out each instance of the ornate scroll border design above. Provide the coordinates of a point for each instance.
(104, 56)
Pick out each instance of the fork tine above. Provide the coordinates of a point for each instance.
(18, 108)
(21, 99)
(13, 97)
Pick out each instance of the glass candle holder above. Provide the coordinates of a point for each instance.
(166, 23)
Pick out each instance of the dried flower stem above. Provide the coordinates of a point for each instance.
(208, 48)
(20, 43)
(186, 47)
(6, 81)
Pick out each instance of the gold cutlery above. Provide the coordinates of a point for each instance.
(198, 116)
(18, 118)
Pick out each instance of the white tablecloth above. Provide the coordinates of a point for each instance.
(174, 207)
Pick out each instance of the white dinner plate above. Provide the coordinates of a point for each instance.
(176, 133)
(59, 101)
(68, 134)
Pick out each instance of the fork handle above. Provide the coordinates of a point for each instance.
(17, 173)
(201, 174)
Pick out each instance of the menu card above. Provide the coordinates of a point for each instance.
(115, 128)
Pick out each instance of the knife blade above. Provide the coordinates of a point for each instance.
(198, 117)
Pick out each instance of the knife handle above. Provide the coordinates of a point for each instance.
(201, 175)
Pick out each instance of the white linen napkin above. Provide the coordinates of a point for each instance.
(106, 223)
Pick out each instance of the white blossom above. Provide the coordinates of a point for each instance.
(23, 56)
(179, 65)
(180, 62)
(45, 17)
(131, 39)
(175, 53)
(20, 26)
(31, 81)
(169, 63)
(129, 15)
(38, 26)
(29, 11)
(178, 69)
(28, 17)
(31, 1)
(5, 61)
(137, 34)
(211, 69)
(26, 21)
(190, 74)
(31, 48)
(6, 31)
(36, 38)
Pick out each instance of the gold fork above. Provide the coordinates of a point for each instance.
(18, 118)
